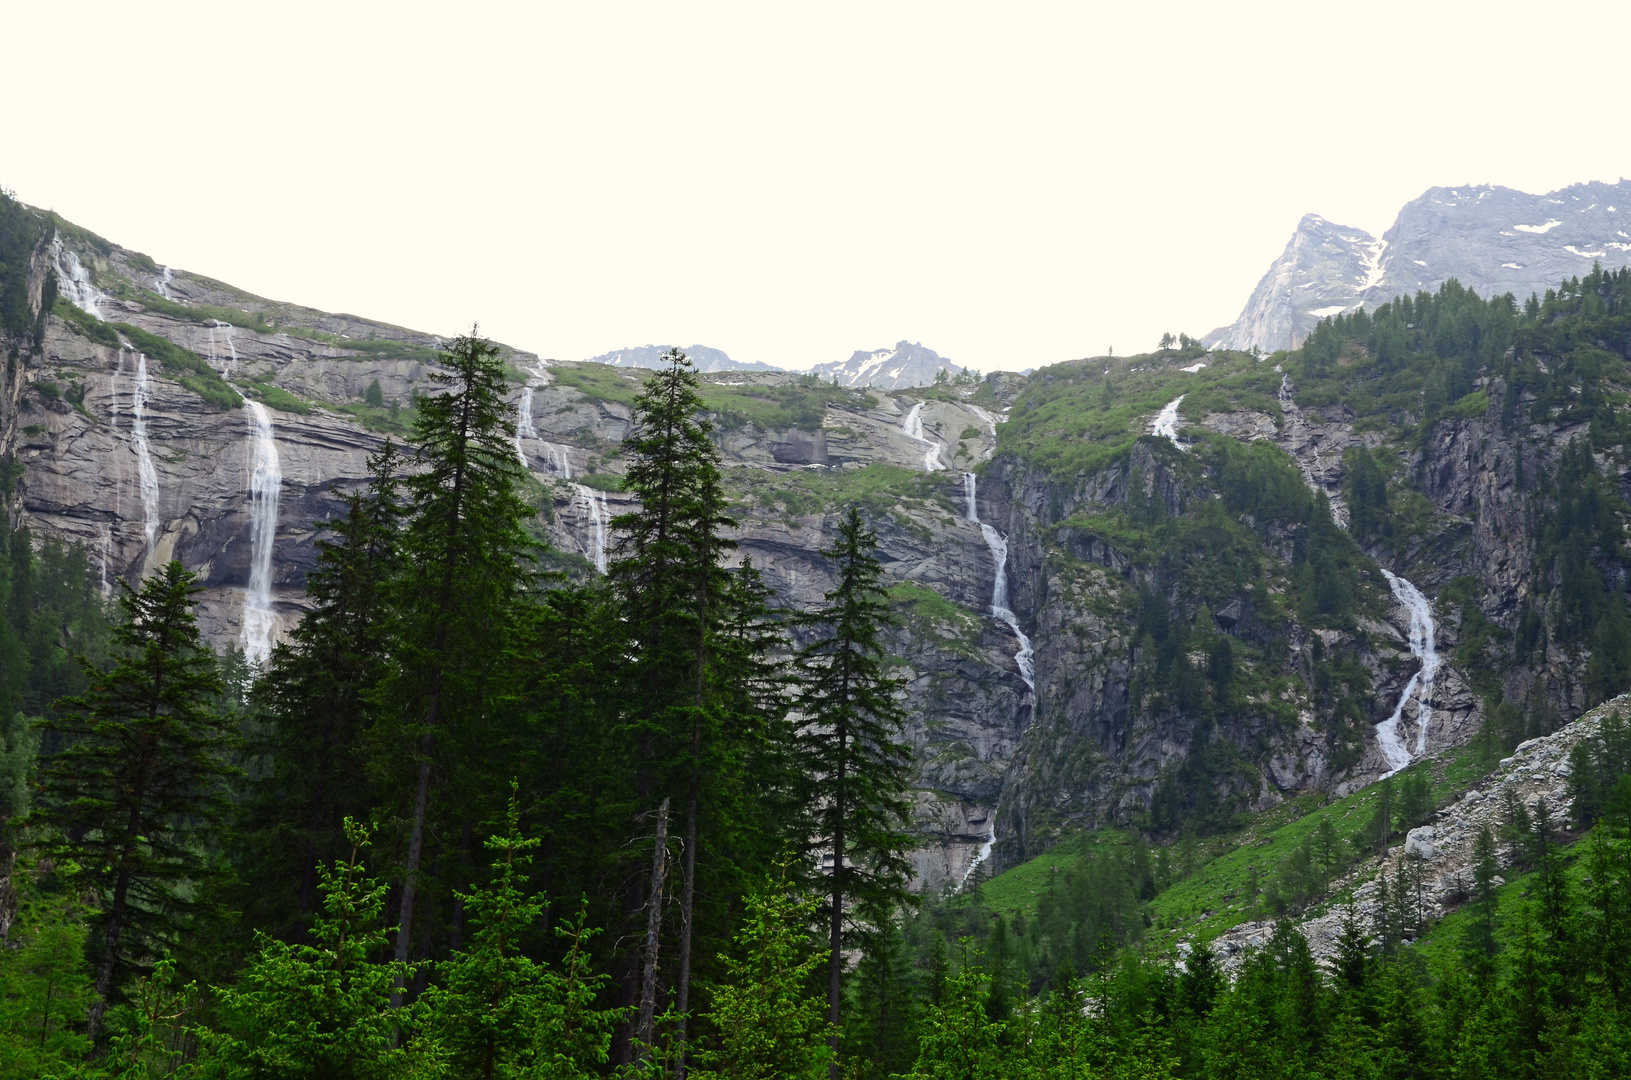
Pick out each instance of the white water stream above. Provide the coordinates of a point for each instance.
(227, 330)
(523, 425)
(265, 483)
(913, 428)
(1166, 422)
(74, 281)
(1420, 687)
(145, 472)
(595, 503)
(1024, 658)
(162, 283)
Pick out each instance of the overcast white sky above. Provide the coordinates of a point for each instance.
(1011, 184)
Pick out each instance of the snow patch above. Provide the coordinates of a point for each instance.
(1546, 228)
(1512, 266)
(1327, 312)
(1193, 368)
(1572, 250)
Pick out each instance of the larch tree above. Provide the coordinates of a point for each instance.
(141, 780)
(849, 745)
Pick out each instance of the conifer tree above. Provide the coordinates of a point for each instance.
(497, 1011)
(770, 1026)
(140, 783)
(317, 707)
(849, 747)
(672, 589)
(466, 569)
(320, 1011)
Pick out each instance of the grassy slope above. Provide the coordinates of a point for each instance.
(1210, 900)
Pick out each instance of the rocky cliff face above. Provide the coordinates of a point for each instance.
(1039, 700)
(1494, 240)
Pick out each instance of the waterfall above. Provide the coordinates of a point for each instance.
(265, 482)
(913, 428)
(162, 283)
(1166, 422)
(598, 515)
(144, 457)
(1424, 647)
(563, 462)
(74, 281)
(227, 330)
(982, 855)
(106, 535)
(999, 590)
(1024, 657)
(523, 425)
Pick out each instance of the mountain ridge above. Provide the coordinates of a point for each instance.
(1493, 240)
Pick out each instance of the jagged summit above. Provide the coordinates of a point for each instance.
(907, 364)
(705, 358)
(1492, 239)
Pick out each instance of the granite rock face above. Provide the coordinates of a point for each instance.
(1493, 240)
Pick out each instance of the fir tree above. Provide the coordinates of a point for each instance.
(140, 785)
(770, 1025)
(320, 1011)
(465, 571)
(850, 748)
(317, 706)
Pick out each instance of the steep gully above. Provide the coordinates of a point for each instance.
(1422, 635)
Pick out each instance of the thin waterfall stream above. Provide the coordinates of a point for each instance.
(912, 426)
(265, 484)
(145, 472)
(1024, 658)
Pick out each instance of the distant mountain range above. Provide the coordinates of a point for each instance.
(907, 364)
(705, 358)
(1494, 240)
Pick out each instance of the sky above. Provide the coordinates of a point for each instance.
(1010, 184)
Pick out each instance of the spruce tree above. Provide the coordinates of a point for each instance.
(671, 585)
(140, 785)
(850, 749)
(465, 572)
(316, 707)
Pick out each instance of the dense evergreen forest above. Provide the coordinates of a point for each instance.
(476, 819)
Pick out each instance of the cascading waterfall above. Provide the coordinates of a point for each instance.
(912, 426)
(1423, 646)
(145, 472)
(598, 515)
(523, 426)
(106, 535)
(265, 483)
(1166, 422)
(227, 330)
(74, 281)
(162, 283)
(1422, 636)
(1024, 658)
